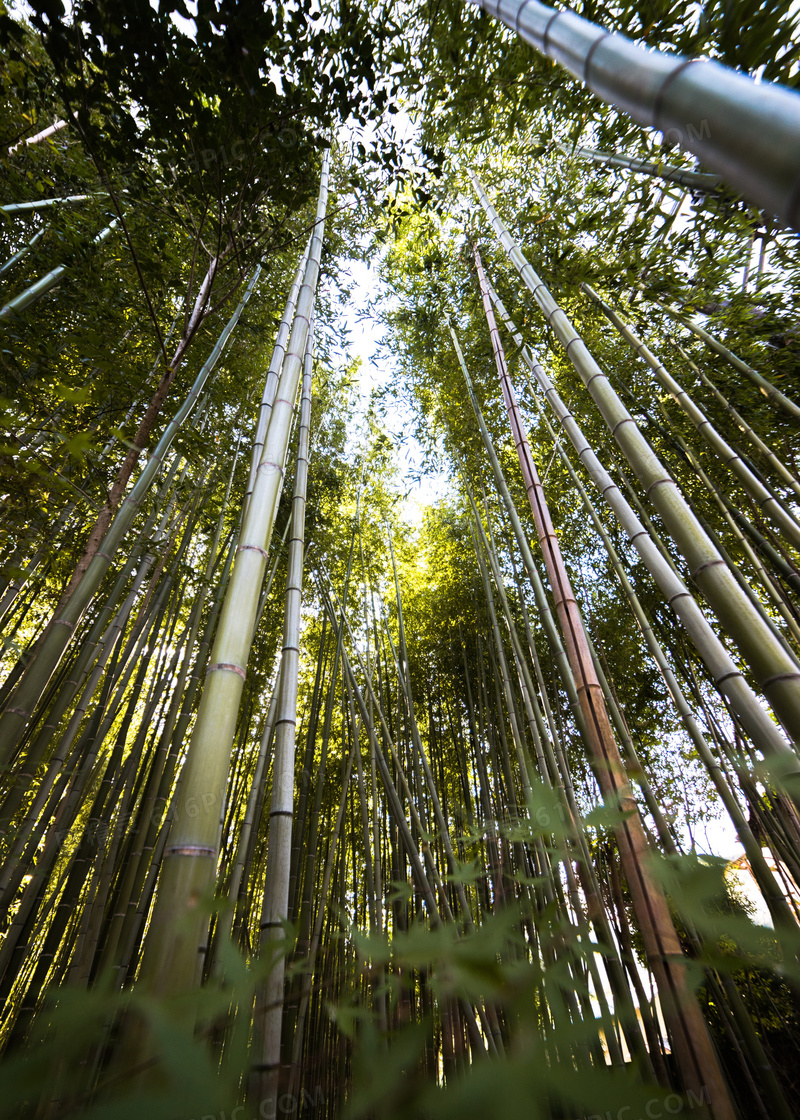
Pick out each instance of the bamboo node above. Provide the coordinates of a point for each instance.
(546, 33)
(727, 676)
(660, 482)
(670, 78)
(780, 677)
(708, 564)
(590, 54)
(624, 420)
(190, 850)
(252, 548)
(225, 665)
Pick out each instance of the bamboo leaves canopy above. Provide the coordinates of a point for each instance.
(322, 803)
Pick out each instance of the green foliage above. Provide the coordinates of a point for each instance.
(207, 138)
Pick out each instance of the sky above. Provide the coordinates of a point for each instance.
(374, 373)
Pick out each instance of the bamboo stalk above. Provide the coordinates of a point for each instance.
(697, 180)
(45, 284)
(44, 203)
(23, 252)
(772, 895)
(777, 672)
(772, 589)
(178, 923)
(770, 391)
(691, 1042)
(766, 501)
(43, 134)
(749, 133)
(778, 466)
(34, 681)
(275, 911)
(273, 372)
(723, 671)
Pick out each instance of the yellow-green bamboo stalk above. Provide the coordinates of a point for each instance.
(179, 922)
(753, 486)
(273, 373)
(225, 924)
(275, 911)
(724, 672)
(777, 672)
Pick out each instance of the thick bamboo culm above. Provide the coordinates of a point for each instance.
(747, 132)
(192, 850)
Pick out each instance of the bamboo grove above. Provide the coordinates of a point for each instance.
(308, 809)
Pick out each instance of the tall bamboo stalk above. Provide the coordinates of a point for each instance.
(766, 880)
(766, 501)
(777, 672)
(697, 180)
(778, 466)
(187, 875)
(749, 133)
(691, 1042)
(724, 672)
(770, 391)
(45, 284)
(34, 681)
(275, 911)
(274, 370)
